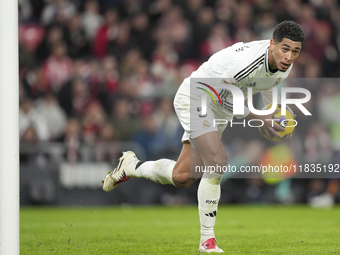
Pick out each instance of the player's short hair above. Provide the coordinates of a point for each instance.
(290, 30)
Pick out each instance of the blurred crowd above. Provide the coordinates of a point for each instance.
(95, 72)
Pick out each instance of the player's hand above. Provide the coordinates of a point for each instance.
(269, 127)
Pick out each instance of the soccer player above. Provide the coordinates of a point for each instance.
(241, 65)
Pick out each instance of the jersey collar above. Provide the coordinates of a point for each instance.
(266, 63)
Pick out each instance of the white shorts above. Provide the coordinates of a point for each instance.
(187, 107)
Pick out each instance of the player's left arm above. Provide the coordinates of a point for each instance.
(268, 127)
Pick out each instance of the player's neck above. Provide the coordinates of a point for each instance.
(271, 63)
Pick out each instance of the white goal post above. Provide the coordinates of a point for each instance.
(9, 128)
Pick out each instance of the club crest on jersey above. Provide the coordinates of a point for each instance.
(277, 82)
(206, 124)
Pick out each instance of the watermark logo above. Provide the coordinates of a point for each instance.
(237, 106)
(256, 123)
(203, 110)
(213, 90)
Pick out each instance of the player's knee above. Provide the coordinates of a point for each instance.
(219, 161)
(184, 183)
(183, 180)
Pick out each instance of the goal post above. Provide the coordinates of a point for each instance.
(9, 128)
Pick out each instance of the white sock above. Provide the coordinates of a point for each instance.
(159, 171)
(208, 194)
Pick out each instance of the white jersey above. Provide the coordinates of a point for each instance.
(243, 64)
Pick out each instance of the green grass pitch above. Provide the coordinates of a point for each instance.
(175, 230)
